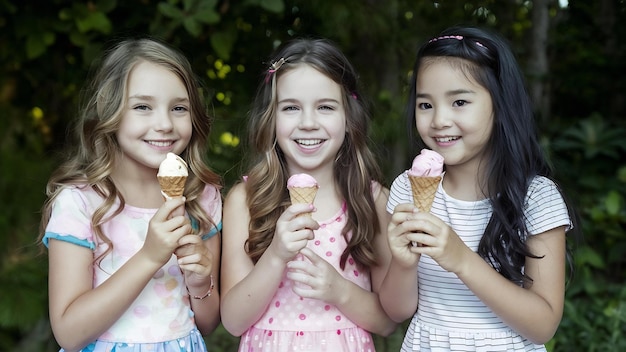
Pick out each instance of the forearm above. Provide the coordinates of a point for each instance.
(75, 326)
(206, 310)
(525, 311)
(364, 309)
(398, 292)
(244, 304)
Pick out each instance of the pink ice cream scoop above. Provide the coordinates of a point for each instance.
(301, 180)
(427, 163)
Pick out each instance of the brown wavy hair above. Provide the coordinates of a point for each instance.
(355, 166)
(90, 159)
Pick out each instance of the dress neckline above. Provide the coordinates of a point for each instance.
(337, 217)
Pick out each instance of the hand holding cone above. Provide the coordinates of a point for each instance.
(302, 189)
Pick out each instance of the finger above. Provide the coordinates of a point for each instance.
(190, 238)
(404, 208)
(302, 236)
(185, 250)
(168, 206)
(296, 209)
(179, 231)
(419, 239)
(196, 268)
(310, 255)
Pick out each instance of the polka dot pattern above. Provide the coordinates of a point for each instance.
(306, 324)
(160, 319)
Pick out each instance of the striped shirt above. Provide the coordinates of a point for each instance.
(449, 315)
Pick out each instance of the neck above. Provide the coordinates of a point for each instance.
(463, 184)
(139, 187)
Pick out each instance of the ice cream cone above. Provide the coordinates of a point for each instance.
(302, 195)
(424, 189)
(172, 186)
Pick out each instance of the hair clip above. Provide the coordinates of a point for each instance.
(457, 37)
(276, 65)
(354, 96)
(273, 68)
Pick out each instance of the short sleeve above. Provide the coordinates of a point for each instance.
(211, 202)
(70, 219)
(400, 192)
(545, 208)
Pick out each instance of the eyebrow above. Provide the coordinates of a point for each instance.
(323, 100)
(450, 93)
(150, 97)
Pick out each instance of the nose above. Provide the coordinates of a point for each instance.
(308, 120)
(441, 119)
(163, 121)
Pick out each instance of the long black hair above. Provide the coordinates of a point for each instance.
(516, 156)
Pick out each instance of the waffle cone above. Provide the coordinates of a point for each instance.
(302, 195)
(424, 189)
(172, 186)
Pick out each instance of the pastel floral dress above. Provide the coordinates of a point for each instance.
(160, 319)
(293, 323)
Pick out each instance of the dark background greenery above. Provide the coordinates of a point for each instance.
(46, 48)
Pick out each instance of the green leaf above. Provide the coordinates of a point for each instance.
(97, 21)
(223, 42)
(171, 11)
(37, 43)
(107, 6)
(587, 256)
(192, 26)
(276, 6)
(613, 202)
(621, 174)
(208, 15)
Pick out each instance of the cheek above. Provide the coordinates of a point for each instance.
(282, 128)
(185, 129)
(422, 124)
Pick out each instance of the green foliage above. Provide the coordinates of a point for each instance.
(47, 50)
(595, 312)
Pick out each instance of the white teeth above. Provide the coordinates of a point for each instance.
(160, 144)
(446, 139)
(308, 141)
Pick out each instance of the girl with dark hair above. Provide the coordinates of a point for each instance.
(306, 283)
(126, 273)
(488, 270)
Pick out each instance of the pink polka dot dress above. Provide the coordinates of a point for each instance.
(293, 323)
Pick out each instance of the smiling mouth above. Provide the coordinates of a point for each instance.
(309, 142)
(446, 139)
(160, 143)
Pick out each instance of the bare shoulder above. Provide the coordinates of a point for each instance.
(236, 196)
(379, 192)
(381, 195)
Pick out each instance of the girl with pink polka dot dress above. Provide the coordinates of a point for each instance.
(130, 271)
(306, 283)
